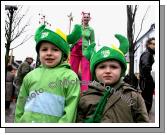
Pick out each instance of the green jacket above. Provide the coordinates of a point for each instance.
(88, 37)
(125, 104)
(48, 95)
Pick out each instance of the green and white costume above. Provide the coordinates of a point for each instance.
(50, 95)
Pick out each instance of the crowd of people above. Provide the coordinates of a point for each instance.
(105, 97)
(14, 79)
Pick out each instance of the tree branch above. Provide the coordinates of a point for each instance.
(133, 17)
(136, 49)
(141, 25)
(6, 32)
(18, 33)
(16, 24)
(24, 40)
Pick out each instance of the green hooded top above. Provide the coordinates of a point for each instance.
(48, 95)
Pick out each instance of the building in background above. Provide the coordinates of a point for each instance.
(140, 44)
(141, 48)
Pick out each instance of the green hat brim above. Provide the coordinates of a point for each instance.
(114, 55)
(52, 37)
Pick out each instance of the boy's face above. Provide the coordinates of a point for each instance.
(49, 54)
(108, 72)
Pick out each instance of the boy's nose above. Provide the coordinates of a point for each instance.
(108, 69)
(49, 52)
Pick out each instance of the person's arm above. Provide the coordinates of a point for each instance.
(15, 83)
(71, 103)
(146, 64)
(83, 109)
(138, 107)
(21, 100)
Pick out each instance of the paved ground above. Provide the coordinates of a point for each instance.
(9, 114)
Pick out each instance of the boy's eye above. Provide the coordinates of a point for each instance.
(44, 49)
(113, 66)
(102, 66)
(55, 49)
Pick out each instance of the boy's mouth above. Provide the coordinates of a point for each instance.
(107, 77)
(49, 60)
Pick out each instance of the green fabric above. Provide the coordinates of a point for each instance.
(90, 51)
(88, 37)
(75, 35)
(108, 53)
(100, 108)
(42, 78)
(43, 34)
(124, 43)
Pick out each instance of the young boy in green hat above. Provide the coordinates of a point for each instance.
(109, 99)
(46, 95)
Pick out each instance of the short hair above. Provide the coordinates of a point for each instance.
(149, 41)
(29, 58)
(9, 68)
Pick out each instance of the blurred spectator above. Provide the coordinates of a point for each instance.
(23, 69)
(147, 84)
(9, 86)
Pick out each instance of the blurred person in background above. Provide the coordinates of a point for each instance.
(23, 69)
(146, 82)
(9, 86)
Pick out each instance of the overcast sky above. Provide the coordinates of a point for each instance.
(107, 19)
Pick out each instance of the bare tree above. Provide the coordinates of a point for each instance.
(131, 13)
(13, 28)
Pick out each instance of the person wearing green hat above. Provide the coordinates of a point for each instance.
(77, 59)
(109, 99)
(44, 96)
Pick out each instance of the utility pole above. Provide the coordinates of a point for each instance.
(11, 9)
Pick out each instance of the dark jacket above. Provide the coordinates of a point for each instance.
(125, 104)
(146, 62)
(145, 67)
